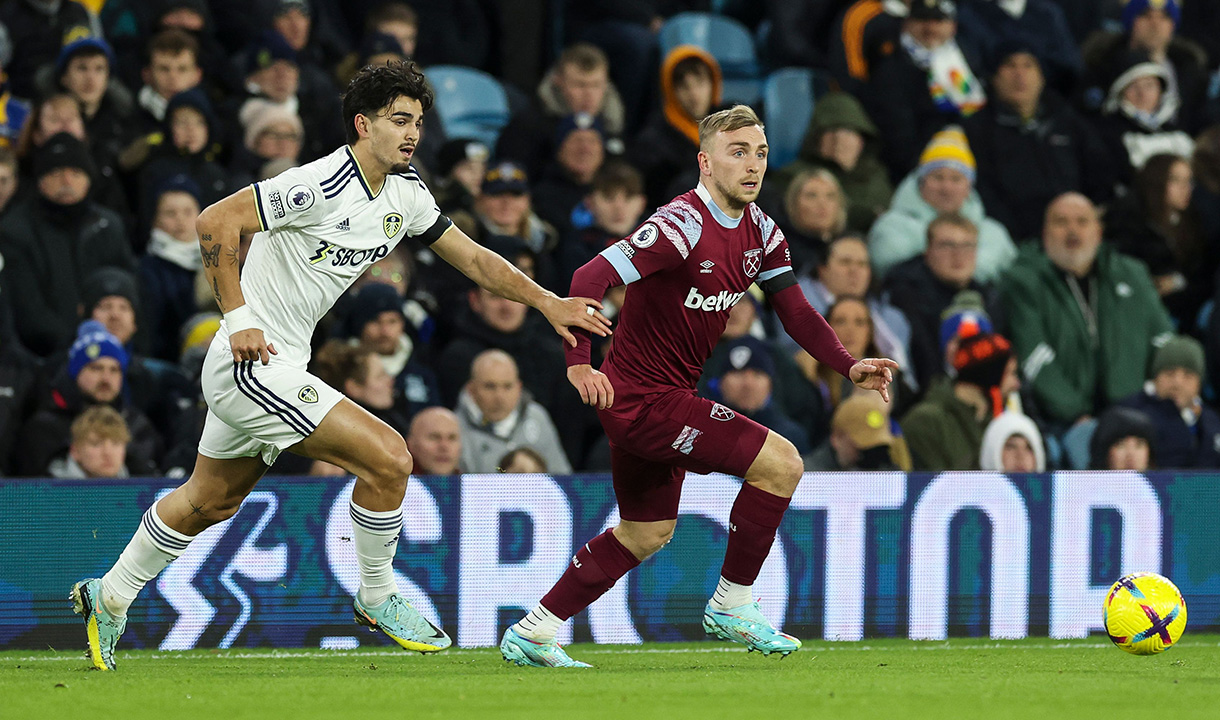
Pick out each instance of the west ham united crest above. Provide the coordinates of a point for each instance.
(722, 413)
(392, 224)
(752, 261)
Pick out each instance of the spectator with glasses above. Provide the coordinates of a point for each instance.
(924, 286)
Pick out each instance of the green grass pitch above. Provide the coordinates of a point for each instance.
(1036, 679)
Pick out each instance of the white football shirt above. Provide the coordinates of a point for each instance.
(322, 227)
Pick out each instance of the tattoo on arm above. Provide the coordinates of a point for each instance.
(211, 256)
(233, 254)
(216, 295)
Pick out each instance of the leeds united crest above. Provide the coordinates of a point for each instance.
(391, 224)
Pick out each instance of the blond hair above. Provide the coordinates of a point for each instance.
(585, 57)
(735, 118)
(798, 184)
(102, 422)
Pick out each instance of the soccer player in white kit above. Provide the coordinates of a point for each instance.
(317, 228)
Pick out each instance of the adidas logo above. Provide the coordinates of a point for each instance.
(706, 266)
(344, 226)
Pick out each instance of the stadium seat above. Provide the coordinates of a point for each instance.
(470, 102)
(788, 98)
(727, 40)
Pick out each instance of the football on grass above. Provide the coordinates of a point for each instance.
(1144, 613)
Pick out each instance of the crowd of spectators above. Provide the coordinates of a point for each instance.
(1017, 200)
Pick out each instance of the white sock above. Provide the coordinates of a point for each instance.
(541, 624)
(729, 595)
(376, 537)
(154, 546)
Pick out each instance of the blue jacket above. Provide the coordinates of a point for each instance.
(1179, 445)
(167, 295)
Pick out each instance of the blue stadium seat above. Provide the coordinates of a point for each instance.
(727, 40)
(788, 99)
(470, 102)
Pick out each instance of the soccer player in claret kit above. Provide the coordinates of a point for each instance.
(685, 268)
(319, 226)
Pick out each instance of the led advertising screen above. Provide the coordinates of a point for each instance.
(858, 555)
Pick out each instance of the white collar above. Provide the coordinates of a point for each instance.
(395, 362)
(721, 216)
(897, 8)
(1015, 8)
(167, 247)
(153, 102)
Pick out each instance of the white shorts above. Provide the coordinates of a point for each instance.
(256, 409)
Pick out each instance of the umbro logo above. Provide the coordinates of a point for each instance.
(344, 226)
(706, 266)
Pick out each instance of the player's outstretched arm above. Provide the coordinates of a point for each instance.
(501, 277)
(220, 228)
(816, 337)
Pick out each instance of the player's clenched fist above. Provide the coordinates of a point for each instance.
(594, 387)
(251, 345)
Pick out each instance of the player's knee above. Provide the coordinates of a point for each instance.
(209, 500)
(205, 512)
(394, 462)
(665, 535)
(660, 536)
(645, 539)
(788, 467)
(222, 509)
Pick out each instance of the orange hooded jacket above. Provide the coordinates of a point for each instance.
(674, 114)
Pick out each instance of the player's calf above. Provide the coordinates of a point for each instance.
(753, 522)
(594, 569)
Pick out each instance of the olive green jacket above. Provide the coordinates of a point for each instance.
(1071, 370)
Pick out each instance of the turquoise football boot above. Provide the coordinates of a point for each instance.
(402, 623)
(745, 624)
(101, 628)
(523, 651)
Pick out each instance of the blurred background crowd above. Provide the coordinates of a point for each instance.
(1017, 200)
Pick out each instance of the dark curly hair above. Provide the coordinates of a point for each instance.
(376, 87)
